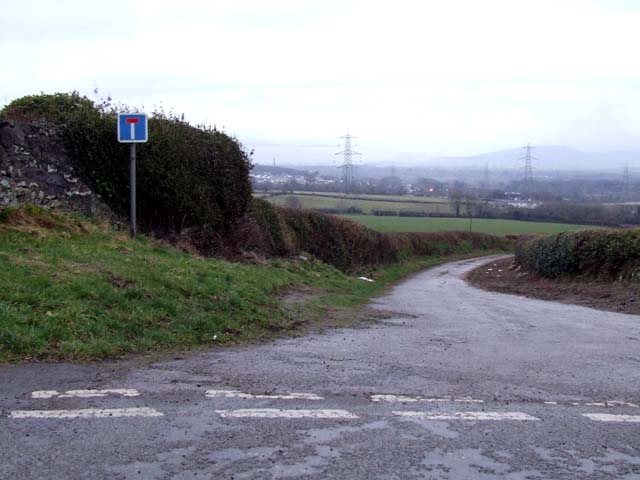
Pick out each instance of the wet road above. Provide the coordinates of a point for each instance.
(458, 384)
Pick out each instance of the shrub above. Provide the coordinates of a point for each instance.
(594, 253)
(348, 245)
(188, 177)
(270, 235)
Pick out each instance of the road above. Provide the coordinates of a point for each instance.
(458, 384)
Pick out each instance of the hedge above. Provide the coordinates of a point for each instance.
(349, 245)
(605, 254)
(188, 177)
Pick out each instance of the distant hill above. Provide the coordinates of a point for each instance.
(548, 158)
(408, 166)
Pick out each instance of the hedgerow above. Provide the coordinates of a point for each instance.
(611, 254)
(349, 245)
(188, 177)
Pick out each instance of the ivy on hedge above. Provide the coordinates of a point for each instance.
(188, 177)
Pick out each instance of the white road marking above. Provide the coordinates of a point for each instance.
(238, 394)
(88, 413)
(467, 400)
(396, 398)
(45, 394)
(413, 399)
(609, 417)
(611, 403)
(125, 392)
(604, 403)
(468, 416)
(279, 413)
(407, 399)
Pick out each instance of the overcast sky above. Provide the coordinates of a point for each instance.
(444, 77)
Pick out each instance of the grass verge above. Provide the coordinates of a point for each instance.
(73, 290)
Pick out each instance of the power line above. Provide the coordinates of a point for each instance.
(348, 168)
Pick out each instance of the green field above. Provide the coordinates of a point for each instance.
(367, 203)
(495, 227)
(384, 198)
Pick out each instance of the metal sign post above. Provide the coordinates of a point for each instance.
(132, 191)
(132, 128)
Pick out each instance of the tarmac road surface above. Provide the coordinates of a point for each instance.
(459, 384)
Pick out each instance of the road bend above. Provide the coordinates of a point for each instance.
(458, 383)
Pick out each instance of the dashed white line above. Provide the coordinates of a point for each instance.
(408, 399)
(612, 403)
(279, 413)
(88, 413)
(125, 392)
(467, 400)
(45, 394)
(399, 398)
(609, 417)
(603, 403)
(239, 394)
(519, 416)
(413, 399)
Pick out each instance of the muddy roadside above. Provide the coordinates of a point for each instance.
(502, 276)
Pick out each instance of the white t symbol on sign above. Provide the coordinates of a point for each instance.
(132, 121)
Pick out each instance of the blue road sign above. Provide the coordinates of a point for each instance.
(133, 128)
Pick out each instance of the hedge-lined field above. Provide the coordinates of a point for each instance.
(483, 225)
(364, 204)
(605, 254)
(349, 245)
(384, 198)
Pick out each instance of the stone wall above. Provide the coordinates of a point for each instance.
(34, 168)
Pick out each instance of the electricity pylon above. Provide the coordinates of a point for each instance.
(527, 182)
(348, 168)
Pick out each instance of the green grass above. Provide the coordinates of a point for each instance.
(494, 227)
(75, 291)
(384, 198)
(314, 202)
